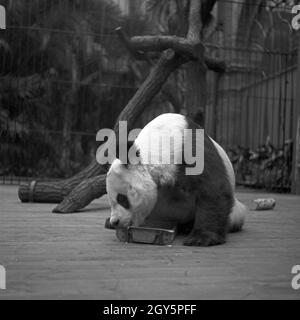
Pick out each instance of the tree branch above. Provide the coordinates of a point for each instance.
(138, 46)
(167, 89)
(217, 65)
(168, 62)
(195, 23)
(161, 43)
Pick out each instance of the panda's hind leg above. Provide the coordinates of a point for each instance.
(204, 238)
(209, 229)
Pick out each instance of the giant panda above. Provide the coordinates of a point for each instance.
(163, 195)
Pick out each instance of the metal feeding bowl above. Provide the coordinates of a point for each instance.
(146, 235)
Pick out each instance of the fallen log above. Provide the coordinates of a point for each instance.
(55, 191)
(82, 195)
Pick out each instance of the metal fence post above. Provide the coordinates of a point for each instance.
(296, 135)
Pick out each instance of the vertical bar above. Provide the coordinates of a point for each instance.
(296, 135)
(284, 138)
(214, 96)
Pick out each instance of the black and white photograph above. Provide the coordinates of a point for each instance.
(149, 151)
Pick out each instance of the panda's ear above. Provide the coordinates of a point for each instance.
(116, 168)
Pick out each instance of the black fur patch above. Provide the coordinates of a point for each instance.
(123, 201)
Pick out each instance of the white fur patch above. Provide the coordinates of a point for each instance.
(166, 125)
(237, 216)
(239, 211)
(137, 184)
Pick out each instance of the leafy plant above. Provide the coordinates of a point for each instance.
(266, 167)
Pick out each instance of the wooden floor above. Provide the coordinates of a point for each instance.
(72, 256)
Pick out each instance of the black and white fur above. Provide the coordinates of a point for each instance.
(163, 195)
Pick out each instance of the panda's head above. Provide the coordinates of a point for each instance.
(132, 194)
(132, 189)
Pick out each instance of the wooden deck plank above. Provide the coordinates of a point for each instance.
(72, 256)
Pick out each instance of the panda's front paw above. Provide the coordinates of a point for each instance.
(203, 238)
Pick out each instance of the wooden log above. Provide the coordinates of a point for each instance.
(39, 191)
(195, 101)
(55, 191)
(82, 195)
(168, 62)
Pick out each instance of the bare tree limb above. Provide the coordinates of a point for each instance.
(161, 43)
(195, 23)
(217, 65)
(138, 46)
(128, 45)
(168, 88)
(168, 62)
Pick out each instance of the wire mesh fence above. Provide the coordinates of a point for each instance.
(254, 120)
(250, 107)
(64, 75)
